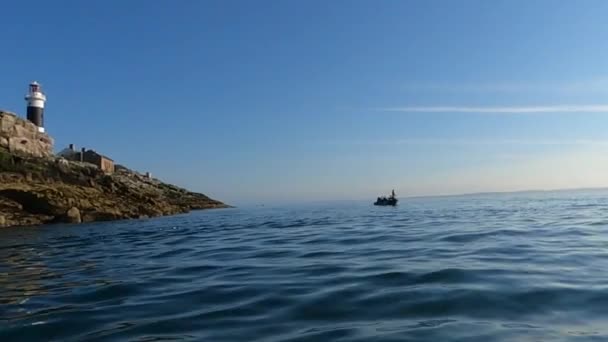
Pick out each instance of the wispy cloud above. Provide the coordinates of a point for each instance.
(600, 108)
(599, 85)
(531, 142)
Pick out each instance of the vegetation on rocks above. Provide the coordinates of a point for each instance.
(35, 190)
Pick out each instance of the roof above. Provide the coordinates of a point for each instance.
(99, 154)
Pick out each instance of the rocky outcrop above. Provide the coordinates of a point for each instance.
(73, 215)
(22, 137)
(36, 190)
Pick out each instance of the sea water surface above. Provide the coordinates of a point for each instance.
(505, 267)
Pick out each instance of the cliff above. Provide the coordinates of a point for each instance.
(38, 188)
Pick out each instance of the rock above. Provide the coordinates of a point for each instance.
(89, 217)
(37, 190)
(73, 215)
(2, 221)
(85, 203)
(22, 136)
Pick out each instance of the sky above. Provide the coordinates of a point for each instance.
(267, 101)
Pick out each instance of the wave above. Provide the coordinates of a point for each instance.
(496, 269)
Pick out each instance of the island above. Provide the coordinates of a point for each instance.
(38, 186)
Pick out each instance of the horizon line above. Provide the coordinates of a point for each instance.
(498, 192)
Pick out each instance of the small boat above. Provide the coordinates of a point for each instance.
(391, 200)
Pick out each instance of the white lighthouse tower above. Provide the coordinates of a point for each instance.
(35, 105)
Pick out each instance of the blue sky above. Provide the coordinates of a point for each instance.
(261, 101)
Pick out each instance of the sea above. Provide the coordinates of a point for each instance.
(490, 267)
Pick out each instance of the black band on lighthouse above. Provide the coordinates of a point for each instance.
(35, 115)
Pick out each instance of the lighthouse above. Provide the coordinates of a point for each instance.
(35, 105)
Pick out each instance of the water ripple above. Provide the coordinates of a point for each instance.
(488, 268)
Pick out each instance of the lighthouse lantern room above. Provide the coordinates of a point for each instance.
(35, 105)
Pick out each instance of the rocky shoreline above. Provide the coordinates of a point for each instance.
(42, 190)
(39, 187)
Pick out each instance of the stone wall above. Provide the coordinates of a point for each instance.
(21, 136)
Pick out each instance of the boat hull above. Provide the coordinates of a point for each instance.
(386, 202)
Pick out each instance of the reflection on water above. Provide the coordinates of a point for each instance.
(22, 275)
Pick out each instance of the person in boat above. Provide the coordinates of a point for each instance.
(393, 193)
